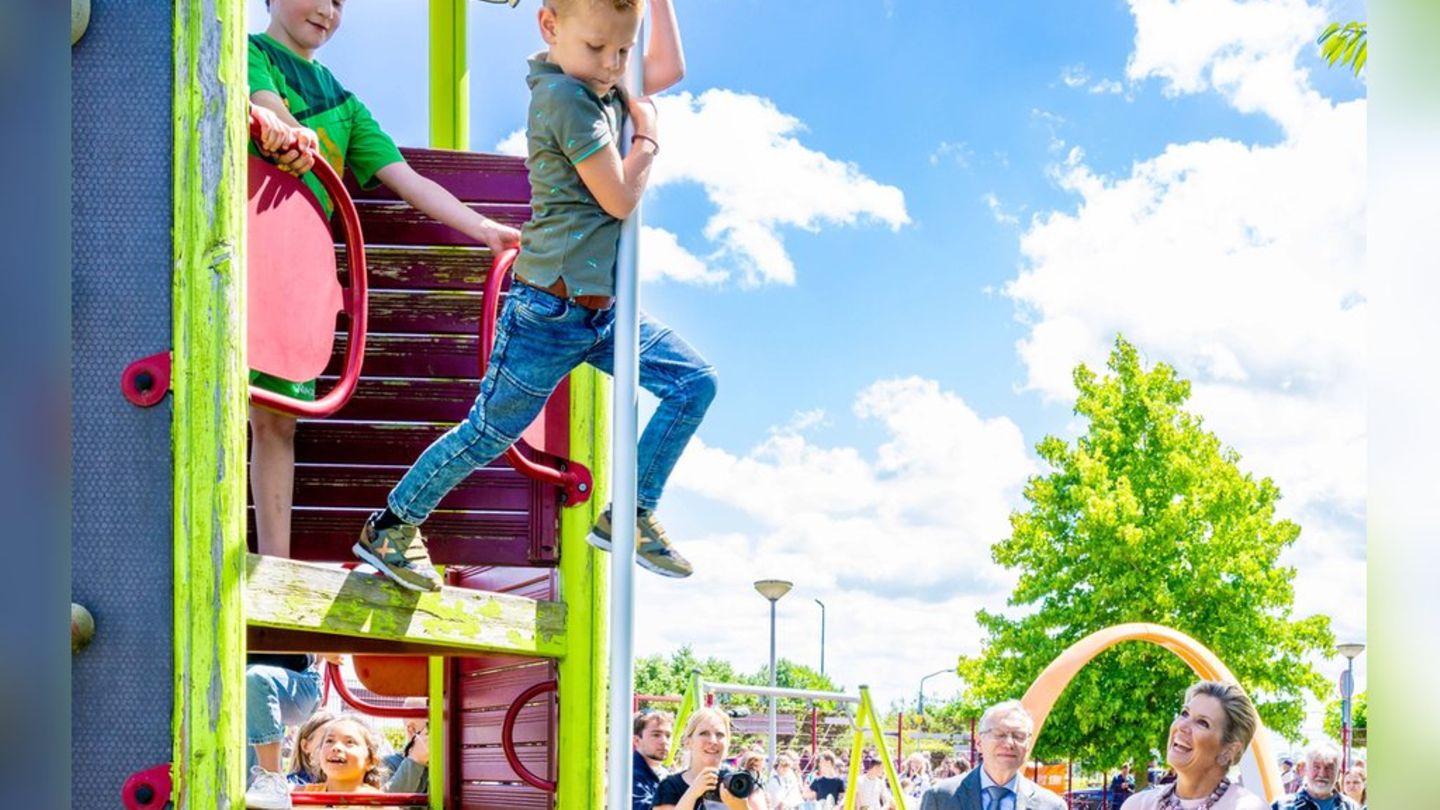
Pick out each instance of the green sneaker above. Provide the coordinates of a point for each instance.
(399, 553)
(652, 548)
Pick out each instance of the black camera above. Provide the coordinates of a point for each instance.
(740, 784)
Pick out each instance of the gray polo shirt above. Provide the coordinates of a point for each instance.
(569, 235)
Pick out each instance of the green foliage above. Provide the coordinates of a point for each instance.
(1346, 44)
(1145, 517)
(658, 675)
(1357, 715)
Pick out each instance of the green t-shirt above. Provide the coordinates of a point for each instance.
(569, 235)
(348, 133)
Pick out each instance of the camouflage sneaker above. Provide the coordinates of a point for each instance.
(399, 553)
(652, 548)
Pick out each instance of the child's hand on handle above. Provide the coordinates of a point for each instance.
(499, 237)
(293, 148)
(299, 158)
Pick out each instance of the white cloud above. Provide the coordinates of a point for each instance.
(1247, 51)
(960, 153)
(1108, 86)
(1074, 76)
(998, 211)
(895, 539)
(746, 155)
(1241, 264)
(513, 144)
(662, 257)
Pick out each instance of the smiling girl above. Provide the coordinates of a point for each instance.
(349, 756)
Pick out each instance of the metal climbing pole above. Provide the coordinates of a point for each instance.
(623, 480)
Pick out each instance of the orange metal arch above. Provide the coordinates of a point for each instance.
(1041, 696)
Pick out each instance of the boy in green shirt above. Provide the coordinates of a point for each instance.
(299, 98)
(559, 312)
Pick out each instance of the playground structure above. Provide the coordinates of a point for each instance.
(511, 653)
(864, 722)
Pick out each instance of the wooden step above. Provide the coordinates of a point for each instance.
(288, 595)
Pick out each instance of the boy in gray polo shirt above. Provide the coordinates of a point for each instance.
(559, 312)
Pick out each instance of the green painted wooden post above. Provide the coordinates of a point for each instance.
(583, 574)
(449, 76)
(209, 384)
(441, 734)
(449, 129)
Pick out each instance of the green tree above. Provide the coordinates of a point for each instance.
(1357, 716)
(1346, 44)
(661, 675)
(1145, 517)
(658, 675)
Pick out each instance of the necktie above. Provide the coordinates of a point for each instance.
(997, 793)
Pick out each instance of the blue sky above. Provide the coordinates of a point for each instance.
(1015, 139)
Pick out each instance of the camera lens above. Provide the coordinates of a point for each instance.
(740, 783)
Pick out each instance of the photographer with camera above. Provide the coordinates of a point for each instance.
(705, 784)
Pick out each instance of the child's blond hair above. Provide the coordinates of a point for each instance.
(562, 7)
(299, 760)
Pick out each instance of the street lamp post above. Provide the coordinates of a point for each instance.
(772, 589)
(822, 635)
(1347, 688)
(920, 704)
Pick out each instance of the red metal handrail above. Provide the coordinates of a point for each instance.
(362, 799)
(507, 736)
(355, 302)
(573, 478)
(335, 678)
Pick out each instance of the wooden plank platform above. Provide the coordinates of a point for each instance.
(297, 596)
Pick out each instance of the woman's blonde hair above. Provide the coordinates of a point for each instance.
(709, 712)
(1241, 719)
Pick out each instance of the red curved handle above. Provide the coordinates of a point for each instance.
(360, 799)
(575, 478)
(507, 736)
(355, 304)
(334, 678)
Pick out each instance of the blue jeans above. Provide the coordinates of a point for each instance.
(539, 339)
(276, 697)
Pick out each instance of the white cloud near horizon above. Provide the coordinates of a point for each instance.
(901, 534)
(748, 158)
(1241, 264)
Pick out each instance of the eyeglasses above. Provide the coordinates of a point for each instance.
(1017, 737)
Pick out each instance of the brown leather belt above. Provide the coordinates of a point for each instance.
(559, 290)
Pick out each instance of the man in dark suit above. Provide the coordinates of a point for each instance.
(1005, 737)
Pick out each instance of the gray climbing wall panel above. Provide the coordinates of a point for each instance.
(121, 471)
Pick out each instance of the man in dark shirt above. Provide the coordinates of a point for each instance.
(652, 744)
(1121, 787)
(827, 783)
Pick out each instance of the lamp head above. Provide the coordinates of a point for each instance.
(773, 589)
(1350, 650)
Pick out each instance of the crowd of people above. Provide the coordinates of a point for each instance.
(1214, 726)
